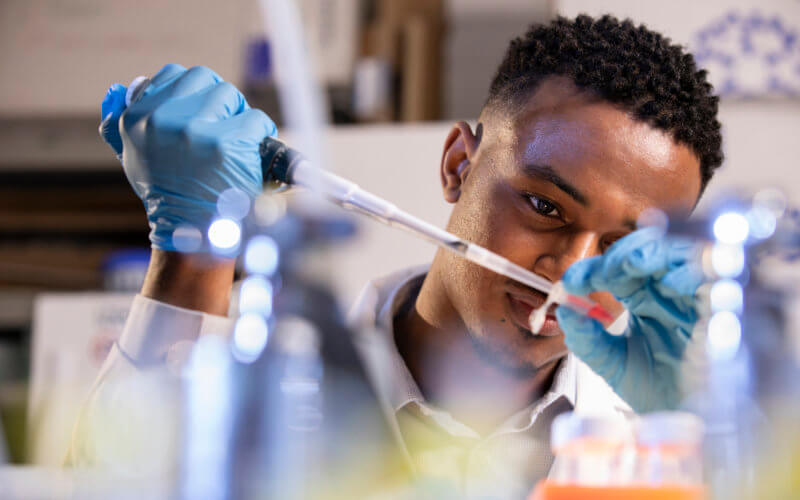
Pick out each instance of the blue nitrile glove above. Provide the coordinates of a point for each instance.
(190, 137)
(656, 278)
(110, 110)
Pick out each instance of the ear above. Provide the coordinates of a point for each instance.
(459, 152)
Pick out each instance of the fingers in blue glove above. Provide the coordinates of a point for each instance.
(224, 100)
(578, 277)
(194, 79)
(219, 102)
(244, 132)
(114, 101)
(249, 127)
(110, 110)
(653, 256)
(172, 82)
(165, 75)
(629, 263)
(649, 302)
(113, 104)
(588, 340)
(680, 282)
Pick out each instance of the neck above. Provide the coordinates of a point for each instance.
(449, 369)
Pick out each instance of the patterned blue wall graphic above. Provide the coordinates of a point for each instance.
(750, 55)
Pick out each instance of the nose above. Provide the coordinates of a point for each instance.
(564, 252)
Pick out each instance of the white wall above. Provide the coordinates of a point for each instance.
(761, 141)
(58, 57)
(749, 47)
(399, 163)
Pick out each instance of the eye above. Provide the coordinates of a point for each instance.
(543, 207)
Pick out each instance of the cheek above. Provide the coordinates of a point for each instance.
(478, 216)
(483, 219)
(494, 219)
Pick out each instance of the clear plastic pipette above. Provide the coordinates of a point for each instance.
(282, 164)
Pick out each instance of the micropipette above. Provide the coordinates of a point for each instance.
(285, 165)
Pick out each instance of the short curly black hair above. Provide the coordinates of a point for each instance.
(630, 66)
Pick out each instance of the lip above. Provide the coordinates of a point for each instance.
(521, 304)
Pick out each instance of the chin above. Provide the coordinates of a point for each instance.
(542, 359)
(519, 351)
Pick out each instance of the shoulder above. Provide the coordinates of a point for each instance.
(377, 294)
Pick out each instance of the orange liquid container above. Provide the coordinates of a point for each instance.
(547, 490)
(599, 458)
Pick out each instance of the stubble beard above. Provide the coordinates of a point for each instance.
(501, 359)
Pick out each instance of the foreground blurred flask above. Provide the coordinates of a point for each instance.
(284, 410)
(748, 340)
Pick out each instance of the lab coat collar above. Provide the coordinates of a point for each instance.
(373, 314)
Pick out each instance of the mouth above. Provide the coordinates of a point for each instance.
(522, 303)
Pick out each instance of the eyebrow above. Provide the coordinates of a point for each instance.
(548, 173)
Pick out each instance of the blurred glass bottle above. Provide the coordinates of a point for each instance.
(669, 450)
(603, 457)
(591, 450)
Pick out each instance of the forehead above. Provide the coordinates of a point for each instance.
(601, 149)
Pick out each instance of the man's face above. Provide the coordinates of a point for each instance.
(558, 180)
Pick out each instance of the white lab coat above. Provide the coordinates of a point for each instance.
(131, 421)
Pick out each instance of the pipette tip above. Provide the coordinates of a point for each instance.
(579, 304)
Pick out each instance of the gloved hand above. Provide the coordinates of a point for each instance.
(656, 279)
(190, 137)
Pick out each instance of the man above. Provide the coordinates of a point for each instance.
(588, 124)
